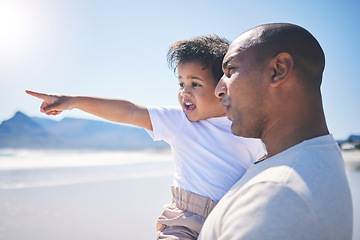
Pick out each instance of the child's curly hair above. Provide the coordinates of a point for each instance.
(207, 50)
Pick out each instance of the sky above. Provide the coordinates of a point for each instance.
(117, 49)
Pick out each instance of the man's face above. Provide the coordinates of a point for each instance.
(243, 90)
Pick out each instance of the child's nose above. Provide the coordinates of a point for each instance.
(185, 92)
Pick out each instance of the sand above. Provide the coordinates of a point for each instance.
(124, 209)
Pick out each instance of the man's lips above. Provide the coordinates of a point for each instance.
(225, 102)
(227, 111)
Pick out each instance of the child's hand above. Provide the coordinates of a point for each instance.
(52, 104)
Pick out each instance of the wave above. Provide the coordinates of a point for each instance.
(35, 159)
(33, 169)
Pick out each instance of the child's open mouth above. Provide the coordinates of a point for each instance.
(189, 106)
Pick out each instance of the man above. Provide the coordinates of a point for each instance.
(271, 90)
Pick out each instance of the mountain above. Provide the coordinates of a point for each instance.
(22, 131)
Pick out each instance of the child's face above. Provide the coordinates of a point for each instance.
(196, 92)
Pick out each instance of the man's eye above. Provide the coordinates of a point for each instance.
(229, 71)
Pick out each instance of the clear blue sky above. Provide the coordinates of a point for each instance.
(118, 48)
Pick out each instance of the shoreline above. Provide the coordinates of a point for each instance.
(352, 160)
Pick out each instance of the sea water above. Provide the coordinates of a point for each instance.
(31, 168)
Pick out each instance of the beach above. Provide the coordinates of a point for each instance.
(82, 195)
(96, 195)
(123, 209)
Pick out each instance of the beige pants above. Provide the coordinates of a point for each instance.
(184, 217)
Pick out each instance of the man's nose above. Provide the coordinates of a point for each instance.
(220, 89)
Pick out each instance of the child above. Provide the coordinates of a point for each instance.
(209, 159)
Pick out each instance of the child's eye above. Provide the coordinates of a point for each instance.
(181, 85)
(194, 84)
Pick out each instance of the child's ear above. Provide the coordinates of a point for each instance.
(282, 66)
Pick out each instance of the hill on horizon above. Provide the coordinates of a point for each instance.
(22, 131)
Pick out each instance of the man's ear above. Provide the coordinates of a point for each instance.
(282, 66)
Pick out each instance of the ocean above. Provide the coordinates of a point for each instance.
(94, 194)
(29, 168)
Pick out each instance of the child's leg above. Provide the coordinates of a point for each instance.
(177, 233)
(183, 219)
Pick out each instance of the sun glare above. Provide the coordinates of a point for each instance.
(10, 25)
(20, 30)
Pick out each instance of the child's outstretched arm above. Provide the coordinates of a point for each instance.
(116, 110)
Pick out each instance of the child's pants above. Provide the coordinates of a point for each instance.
(184, 217)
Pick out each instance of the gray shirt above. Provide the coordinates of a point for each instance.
(300, 193)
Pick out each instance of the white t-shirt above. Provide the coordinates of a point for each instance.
(300, 193)
(209, 159)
